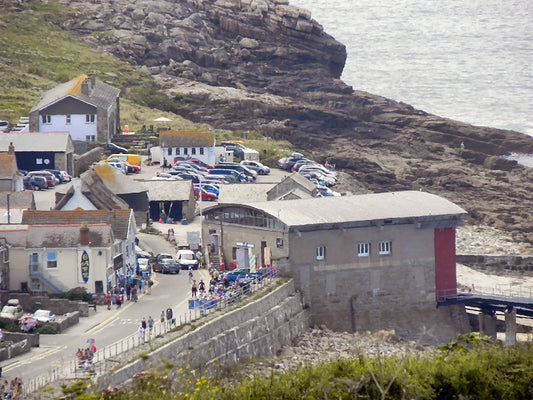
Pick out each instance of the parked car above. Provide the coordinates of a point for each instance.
(206, 196)
(209, 187)
(166, 266)
(199, 162)
(237, 176)
(241, 274)
(186, 258)
(35, 182)
(65, 176)
(250, 174)
(12, 310)
(119, 165)
(113, 148)
(50, 178)
(57, 174)
(4, 126)
(256, 166)
(235, 146)
(43, 316)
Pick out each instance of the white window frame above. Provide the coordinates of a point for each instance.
(193, 151)
(385, 247)
(68, 119)
(90, 118)
(51, 259)
(46, 119)
(90, 138)
(363, 249)
(320, 253)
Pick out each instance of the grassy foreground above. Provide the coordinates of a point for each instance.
(481, 371)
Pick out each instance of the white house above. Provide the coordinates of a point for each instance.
(181, 145)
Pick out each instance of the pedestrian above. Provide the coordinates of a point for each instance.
(194, 288)
(169, 317)
(128, 291)
(143, 323)
(150, 325)
(108, 300)
(118, 300)
(190, 274)
(134, 294)
(150, 284)
(201, 286)
(162, 317)
(141, 332)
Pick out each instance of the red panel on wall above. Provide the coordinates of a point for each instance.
(445, 268)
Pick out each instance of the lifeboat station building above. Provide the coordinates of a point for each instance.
(362, 262)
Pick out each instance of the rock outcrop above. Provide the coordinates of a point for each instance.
(266, 66)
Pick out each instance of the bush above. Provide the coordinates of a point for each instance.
(77, 294)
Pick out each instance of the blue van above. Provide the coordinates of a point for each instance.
(236, 175)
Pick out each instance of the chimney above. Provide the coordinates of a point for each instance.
(11, 149)
(85, 87)
(92, 77)
(84, 235)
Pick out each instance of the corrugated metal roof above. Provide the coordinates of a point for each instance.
(168, 190)
(238, 192)
(36, 141)
(356, 208)
(101, 95)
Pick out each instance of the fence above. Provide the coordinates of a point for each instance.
(103, 361)
(498, 290)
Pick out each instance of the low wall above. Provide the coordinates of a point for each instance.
(16, 343)
(497, 263)
(258, 329)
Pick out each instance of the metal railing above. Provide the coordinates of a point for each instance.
(507, 291)
(102, 360)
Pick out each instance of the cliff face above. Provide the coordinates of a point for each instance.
(264, 65)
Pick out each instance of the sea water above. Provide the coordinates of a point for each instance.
(471, 61)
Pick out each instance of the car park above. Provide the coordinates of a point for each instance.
(256, 166)
(209, 187)
(237, 176)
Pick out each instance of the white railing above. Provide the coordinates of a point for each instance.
(103, 358)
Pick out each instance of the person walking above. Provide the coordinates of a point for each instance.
(149, 286)
(141, 332)
(150, 326)
(194, 288)
(108, 300)
(169, 317)
(162, 317)
(190, 274)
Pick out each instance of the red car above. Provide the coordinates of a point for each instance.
(206, 196)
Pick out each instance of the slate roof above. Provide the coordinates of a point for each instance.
(168, 190)
(118, 219)
(101, 95)
(36, 141)
(357, 208)
(23, 199)
(237, 192)
(294, 180)
(174, 138)
(115, 180)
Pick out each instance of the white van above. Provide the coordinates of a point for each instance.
(186, 258)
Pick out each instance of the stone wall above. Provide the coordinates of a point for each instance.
(258, 329)
(498, 263)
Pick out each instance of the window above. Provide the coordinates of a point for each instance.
(46, 119)
(201, 150)
(385, 247)
(177, 151)
(363, 249)
(185, 151)
(68, 120)
(90, 138)
(321, 253)
(193, 151)
(169, 151)
(90, 118)
(51, 259)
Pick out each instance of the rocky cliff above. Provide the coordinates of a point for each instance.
(266, 66)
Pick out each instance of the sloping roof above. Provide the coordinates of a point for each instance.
(115, 180)
(297, 180)
(118, 219)
(357, 208)
(168, 190)
(186, 139)
(236, 192)
(93, 188)
(101, 95)
(8, 165)
(62, 236)
(36, 141)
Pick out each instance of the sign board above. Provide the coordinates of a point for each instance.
(194, 238)
(245, 244)
(84, 266)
